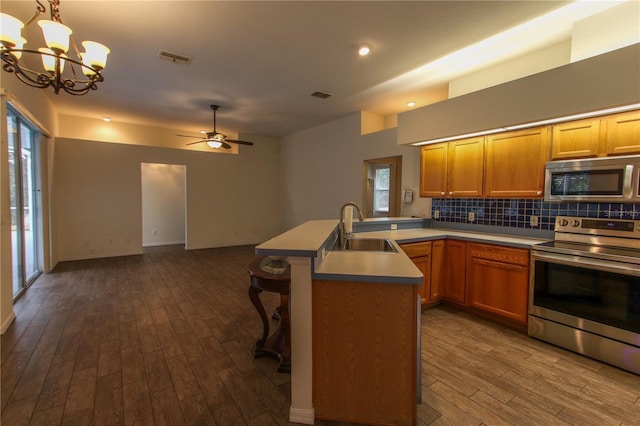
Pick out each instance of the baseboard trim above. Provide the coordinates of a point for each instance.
(163, 243)
(7, 322)
(302, 415)
(101, 255)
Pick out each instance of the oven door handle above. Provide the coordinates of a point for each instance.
(587, 262)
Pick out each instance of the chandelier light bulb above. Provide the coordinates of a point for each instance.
(95, 54)
(49, 60)
(56, 35)
(10, 29)
(19, 47)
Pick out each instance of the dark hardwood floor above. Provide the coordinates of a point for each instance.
(165, 338)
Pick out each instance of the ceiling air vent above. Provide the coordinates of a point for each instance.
(174, 57)
(321, 95)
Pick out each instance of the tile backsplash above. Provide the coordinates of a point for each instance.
(516, 213)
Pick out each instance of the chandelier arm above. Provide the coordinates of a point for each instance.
(54, 6)
(42, 80)
(39, 10)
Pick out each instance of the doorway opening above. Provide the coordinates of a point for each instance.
(164, 209)
(382, 182)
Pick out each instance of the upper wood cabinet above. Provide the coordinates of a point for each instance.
(623, 134)
(617, 134)
(515, 163)
(433, 170)
(453, 169)
(576, 139)
(465, 167)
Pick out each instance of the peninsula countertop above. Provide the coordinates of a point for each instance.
(309, 240)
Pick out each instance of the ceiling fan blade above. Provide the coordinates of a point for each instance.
(193, 143)
(225, 145)
(239, 142)
(189, 136)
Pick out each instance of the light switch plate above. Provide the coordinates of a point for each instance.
(533, 220)
(472, 216)
(394, 226)
(436, 214)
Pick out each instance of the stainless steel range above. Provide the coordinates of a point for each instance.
(584, 289)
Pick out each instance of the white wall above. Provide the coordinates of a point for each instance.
(322, 168)
(231, 199)
(163, 204)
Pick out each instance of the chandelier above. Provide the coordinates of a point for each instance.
(83, 70)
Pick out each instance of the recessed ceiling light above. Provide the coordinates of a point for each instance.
(364, 49)
(106, 119)
(411, 104)
(204, 132)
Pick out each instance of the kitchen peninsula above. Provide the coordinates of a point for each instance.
(320, 277)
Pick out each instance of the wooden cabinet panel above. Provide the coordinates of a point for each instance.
(515, 163)
(433, 170)
(576, 139)
(420, 253)
(437, 269)
(497, 280)
(465, 168)
(623, 134)
(455, 259)
(364, 352)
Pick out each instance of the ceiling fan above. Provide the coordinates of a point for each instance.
(214, 139)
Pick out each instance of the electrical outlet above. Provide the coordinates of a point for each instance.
(533, 220)
(394, 226)
(472, 216)
(436, 214)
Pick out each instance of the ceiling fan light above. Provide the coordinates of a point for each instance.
(215, 144)
(95, 54)
(56, 35)
(10, 29)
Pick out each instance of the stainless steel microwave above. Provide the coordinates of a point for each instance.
(610, 179)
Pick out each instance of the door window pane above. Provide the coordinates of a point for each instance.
(381, 190)
(24, 178)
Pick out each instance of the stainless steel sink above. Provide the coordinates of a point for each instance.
(366, 244)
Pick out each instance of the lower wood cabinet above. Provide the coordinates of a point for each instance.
(420, 254)
(497, 280)
(455, 253)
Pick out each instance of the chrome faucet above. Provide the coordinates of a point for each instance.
(343, 234)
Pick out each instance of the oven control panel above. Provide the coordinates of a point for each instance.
(594, 226)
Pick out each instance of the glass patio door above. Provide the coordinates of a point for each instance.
(24, 182)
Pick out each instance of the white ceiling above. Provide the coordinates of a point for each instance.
(260, 61)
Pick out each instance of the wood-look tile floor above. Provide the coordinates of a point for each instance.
(165, 338)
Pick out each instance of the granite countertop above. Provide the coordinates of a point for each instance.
(308, 240)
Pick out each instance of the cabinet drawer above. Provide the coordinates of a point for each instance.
(417, 249)
(501, 254)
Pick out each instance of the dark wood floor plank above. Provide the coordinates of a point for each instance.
(108, 408)
(166, 408)
(56, 386)
(137, 404)
(80, 399)
(157, 372)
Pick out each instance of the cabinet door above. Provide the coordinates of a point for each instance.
(576, 139)
(455, 259)
(437, 270)
(497, 280)
(515, 163)
(623, 134)
(433, 170)
(465, 170)
(420, 254)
